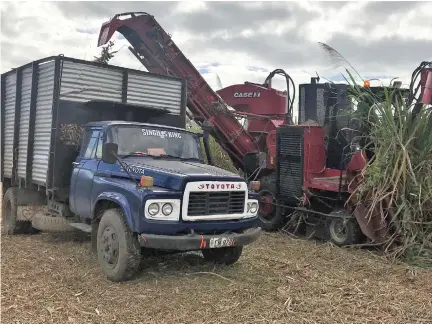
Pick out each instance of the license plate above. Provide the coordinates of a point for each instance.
(218, 242)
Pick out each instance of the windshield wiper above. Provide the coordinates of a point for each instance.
(169, 156)
(166, 156)
(135, 154)
(173, 157)
(191, 158)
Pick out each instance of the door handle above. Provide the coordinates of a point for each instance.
(75, 163)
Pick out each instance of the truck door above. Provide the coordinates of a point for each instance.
(85, 166)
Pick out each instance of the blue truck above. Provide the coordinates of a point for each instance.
(105, 150)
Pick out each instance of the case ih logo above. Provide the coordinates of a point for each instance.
(221, 186)
(247, 94)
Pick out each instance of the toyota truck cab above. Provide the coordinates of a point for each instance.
(145, 186)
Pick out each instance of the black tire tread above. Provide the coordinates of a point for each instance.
(130, 265)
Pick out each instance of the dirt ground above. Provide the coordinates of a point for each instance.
(52, 279)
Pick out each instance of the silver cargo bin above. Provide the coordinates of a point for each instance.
(31, 114)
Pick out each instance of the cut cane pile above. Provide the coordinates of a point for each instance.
(398, 180)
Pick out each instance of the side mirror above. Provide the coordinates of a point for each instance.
(206, 127)
(109, 153)
(206, 143)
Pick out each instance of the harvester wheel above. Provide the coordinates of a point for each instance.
(344, 231)
(270, 215)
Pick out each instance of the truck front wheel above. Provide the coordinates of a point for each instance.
(118, 251)
(226, 255)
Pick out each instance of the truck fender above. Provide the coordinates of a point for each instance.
(122, 202)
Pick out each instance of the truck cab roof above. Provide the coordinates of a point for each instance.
(126, 123)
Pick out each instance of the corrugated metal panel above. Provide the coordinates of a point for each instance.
(149, 90)
(9, 124)
(82, 82)
(43, 122)
(24, 120)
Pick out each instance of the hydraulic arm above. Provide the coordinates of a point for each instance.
(159, 54)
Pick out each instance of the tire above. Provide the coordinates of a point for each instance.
(10, 224)
(53, 224)
(118, 251)
(226, 255)
(274, 220)
(343, 232)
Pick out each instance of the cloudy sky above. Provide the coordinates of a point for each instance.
(239, 41)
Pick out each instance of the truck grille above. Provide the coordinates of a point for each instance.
(216, 203)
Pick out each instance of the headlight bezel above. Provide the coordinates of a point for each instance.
(252, 208)
(160, 216)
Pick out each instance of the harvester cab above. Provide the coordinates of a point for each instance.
(319, 165)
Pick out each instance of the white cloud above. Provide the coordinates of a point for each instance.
(380, 38)
(190, 6)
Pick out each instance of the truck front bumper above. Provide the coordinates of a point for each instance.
(198, 242)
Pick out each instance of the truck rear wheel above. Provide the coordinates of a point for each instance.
(118, 251)
(226, 255)
(10, 224)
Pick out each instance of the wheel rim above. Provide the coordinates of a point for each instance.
(110, 246)
(339, 230)
(266, 207)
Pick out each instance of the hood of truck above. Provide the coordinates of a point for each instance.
(174, 174)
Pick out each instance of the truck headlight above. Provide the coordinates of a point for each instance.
(153, 209)
(162, 209)
(167, 209)
(252, 208)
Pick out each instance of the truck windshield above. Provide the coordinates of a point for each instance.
(133, 140)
